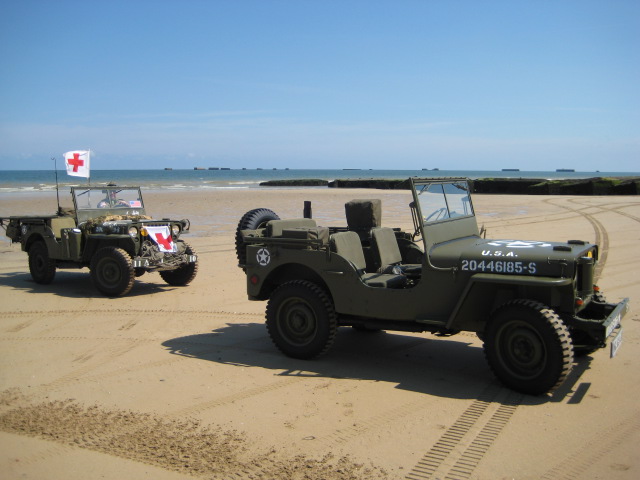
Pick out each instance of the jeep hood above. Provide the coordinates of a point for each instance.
(520, 257)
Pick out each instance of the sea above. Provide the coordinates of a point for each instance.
(176, 179)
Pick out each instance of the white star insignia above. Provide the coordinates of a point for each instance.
(263, 257)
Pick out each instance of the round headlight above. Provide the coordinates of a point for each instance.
(133, 231)
(175, 229)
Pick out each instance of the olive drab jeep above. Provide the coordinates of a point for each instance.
(108, 231)
(533, 303)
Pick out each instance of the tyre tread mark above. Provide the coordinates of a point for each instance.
(344, 435)
(586, 455)
(431, 462)
(601, 234)
(234, 397)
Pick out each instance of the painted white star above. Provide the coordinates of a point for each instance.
(263, 256)
(518, 244)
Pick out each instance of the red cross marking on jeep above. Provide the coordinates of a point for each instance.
(165, 242)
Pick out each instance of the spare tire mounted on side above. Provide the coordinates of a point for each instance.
(252, 220)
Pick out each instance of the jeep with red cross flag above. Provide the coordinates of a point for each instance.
(109, 232)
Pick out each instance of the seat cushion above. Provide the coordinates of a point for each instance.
(381, 280)
(386, 246)
(347, 245)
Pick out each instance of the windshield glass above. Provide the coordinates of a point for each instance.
(443, 201)
(108, 198)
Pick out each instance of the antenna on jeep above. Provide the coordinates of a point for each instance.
(55, 169)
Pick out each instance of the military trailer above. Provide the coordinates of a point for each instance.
(108, 231)
(532, 303)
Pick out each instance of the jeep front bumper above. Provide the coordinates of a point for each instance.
(602, 324)
(160, 264)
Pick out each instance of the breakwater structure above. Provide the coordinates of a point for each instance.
(511, 186)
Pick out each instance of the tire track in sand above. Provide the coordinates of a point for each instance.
(601, 234)
(461, 448)
(599, 446)
(72, 316)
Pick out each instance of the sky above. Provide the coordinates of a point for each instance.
(456, 84)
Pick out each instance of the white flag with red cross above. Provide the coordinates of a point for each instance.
(162, 237)
(77, 163)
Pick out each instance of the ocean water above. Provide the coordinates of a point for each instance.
(45, 180)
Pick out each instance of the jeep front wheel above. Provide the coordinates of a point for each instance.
(301, 319)
(184, 274)
(528, 347)
(41, 267)
(112, 271)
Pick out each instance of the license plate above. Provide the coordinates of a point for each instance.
(615, 343)
(612, 326)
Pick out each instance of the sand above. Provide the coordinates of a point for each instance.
(172, 383)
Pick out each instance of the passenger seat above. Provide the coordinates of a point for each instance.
(347, 245)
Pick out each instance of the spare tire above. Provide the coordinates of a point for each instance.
(252, 220)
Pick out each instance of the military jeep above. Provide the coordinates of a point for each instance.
(109, 232)
(532, 303)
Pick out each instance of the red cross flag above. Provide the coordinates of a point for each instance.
(162, 237)
(77, 163)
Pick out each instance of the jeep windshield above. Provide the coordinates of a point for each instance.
(125, 198)
(443, 200)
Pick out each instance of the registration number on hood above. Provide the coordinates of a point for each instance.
(499, 266)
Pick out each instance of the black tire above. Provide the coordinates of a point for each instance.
(528, 347)
(252, 220)
(301, 319)
(112, 271)
(183, 275)
(41, 267)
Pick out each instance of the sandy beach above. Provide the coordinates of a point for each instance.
(183, 382)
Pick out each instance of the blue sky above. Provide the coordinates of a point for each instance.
(535, 85)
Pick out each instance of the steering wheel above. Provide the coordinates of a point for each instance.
(437, 214)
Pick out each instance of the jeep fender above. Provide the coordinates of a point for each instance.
(282, 274)
(486, 291)
(96, 242)
(31, 239)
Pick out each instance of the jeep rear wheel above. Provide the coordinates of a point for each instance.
(184, 274)
(41, 267)
(112, 271)
(301, 319)
(528, 347)
(252, 220)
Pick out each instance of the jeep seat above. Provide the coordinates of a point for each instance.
(387, 253)
(363, 215)
(348, 246)
(60, 223)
